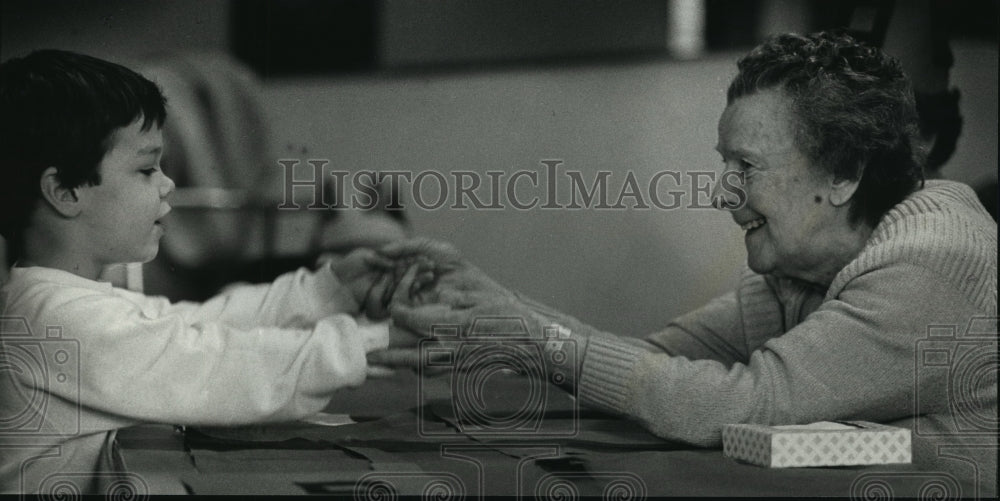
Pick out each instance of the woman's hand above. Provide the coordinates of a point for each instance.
(443, 255)
(372, 278)
(465, 304)
(462, 297)
(441, 271)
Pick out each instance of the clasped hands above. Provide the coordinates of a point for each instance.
(428, 289)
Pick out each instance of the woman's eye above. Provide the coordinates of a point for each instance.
(150, 171)
(745, 165)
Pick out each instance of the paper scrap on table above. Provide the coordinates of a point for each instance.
(324, 419)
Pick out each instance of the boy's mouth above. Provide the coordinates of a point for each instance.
(160, 216)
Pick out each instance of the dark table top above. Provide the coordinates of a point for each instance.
(452, 436)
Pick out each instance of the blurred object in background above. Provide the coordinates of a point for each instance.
(225, 225)
(919, 34)
(312, 37)
(686, 28)
(216, 141)
(4, 264)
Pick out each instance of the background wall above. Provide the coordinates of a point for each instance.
(622, 270)
(120, 30)
(625, 271)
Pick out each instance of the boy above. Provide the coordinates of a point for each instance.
(83, 189)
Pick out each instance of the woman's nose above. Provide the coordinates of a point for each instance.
(728, 193)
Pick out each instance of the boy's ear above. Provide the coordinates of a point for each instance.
(64, 200)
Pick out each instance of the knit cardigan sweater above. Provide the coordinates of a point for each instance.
(777, 351)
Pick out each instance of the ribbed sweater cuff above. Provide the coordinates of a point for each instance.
(608, 365)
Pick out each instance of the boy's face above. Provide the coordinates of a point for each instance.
(122, 213)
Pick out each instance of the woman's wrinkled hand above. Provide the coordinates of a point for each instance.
(444, 274)
(442, 255)
(464, 298)
(372, 278)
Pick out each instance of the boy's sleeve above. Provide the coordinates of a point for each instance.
(166, 369)
(296, 299)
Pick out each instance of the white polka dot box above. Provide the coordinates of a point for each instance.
(825, 443)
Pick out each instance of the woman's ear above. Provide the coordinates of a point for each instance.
(842, 189)
(64, 200)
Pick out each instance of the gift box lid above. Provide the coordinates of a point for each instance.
(825, 443)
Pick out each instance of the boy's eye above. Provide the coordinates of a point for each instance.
(150, 171)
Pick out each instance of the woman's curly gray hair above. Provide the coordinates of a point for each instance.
(856, 112)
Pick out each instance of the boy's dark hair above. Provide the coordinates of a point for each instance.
(59, 109)
(855, 108)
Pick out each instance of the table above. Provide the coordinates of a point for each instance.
(445, 436)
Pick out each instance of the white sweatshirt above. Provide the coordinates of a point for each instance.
(80, 359)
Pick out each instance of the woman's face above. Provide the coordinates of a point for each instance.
(792, 229)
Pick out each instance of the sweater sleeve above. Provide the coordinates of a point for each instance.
(853, 358)
(166, 369)
(711, 332)
(296, 299)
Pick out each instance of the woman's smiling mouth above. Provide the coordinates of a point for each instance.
(754, 224)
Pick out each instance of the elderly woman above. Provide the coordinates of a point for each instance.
(852, 258)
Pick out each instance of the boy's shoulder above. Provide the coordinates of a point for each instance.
(39, 277)
(37, 294)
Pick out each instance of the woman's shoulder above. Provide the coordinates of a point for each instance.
(942, 228)
(938, 220)
(939, 198)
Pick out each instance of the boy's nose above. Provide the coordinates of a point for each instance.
(167, 186)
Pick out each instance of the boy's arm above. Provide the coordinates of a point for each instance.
(168, 369)
(295, 300)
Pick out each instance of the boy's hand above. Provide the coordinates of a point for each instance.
(402, 338)
(380, 296)
(361, 271)
(403, 350)
(413, 358)
(374, 335)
